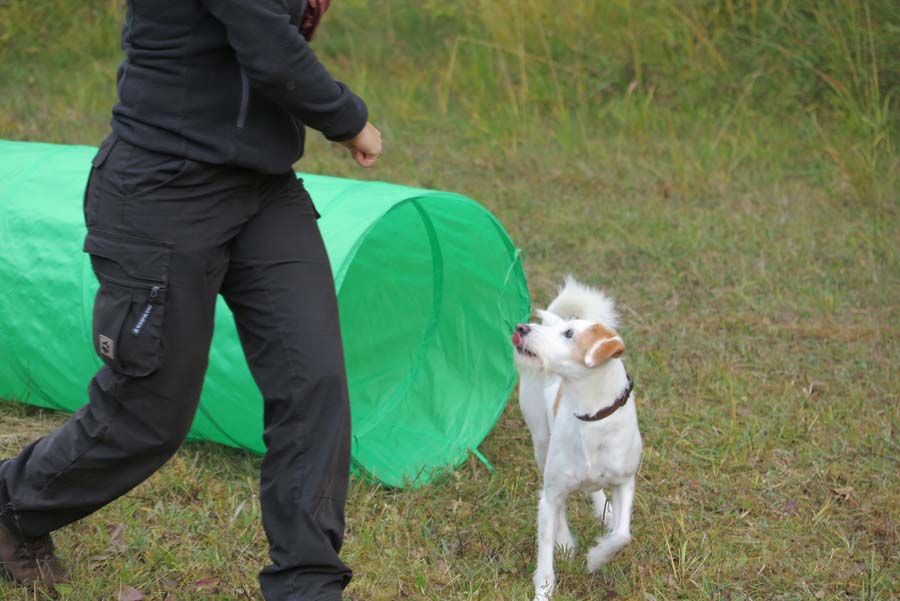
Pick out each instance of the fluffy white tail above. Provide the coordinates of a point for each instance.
(578, 301)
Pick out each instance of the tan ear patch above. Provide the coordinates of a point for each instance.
(599, 344)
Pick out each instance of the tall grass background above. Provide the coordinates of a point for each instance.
(703, 87)
(728, 170)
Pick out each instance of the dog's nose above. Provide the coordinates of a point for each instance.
(522, 329)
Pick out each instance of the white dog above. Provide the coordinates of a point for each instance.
(577, 400)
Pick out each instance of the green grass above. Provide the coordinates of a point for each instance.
(728, 170)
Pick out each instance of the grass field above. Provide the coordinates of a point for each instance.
(727, 169)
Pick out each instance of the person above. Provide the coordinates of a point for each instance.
(192, 195)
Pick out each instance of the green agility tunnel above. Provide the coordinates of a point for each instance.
(429, 285)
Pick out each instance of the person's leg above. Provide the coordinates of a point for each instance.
(280, 287)
(159, 251)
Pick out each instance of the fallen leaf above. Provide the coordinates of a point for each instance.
(129, 593)
(115, 538)
(815, 389)
(206, 584)
(790, 508)
(843, 493)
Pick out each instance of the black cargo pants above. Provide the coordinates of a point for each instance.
(166, 236)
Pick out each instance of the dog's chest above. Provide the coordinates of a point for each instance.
(582, 460)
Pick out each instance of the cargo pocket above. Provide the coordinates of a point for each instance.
(130, 306)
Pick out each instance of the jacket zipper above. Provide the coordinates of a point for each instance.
(245, 98)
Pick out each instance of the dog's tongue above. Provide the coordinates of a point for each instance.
(516, 339)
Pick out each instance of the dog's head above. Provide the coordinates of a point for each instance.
(568, 348)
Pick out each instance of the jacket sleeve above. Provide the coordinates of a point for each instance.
(281, 65)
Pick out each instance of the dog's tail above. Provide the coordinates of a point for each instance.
(578, 301)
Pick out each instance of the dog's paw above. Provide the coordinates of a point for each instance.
(605, 550)
(596, 558)
(543, 587)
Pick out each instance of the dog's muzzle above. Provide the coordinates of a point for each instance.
(518, 340)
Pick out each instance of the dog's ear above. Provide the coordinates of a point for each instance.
(602, 344)
(547, 318)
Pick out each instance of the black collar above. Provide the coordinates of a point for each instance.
(607, 411)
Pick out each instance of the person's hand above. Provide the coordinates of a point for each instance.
(365, 148)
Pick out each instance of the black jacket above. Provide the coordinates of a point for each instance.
(227, 82)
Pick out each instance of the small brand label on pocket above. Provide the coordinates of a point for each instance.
(107, 346)
(144, 316)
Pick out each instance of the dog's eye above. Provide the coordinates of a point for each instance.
(569, 333)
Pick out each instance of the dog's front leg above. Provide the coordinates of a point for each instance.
(607, 547)
(531, 404)
(541, 440)
(548, 517)
(564, 538)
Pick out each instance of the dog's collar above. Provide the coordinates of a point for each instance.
(607, 411)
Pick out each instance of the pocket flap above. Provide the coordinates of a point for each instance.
(139, 258)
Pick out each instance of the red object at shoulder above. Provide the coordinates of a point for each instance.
(312, 16)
